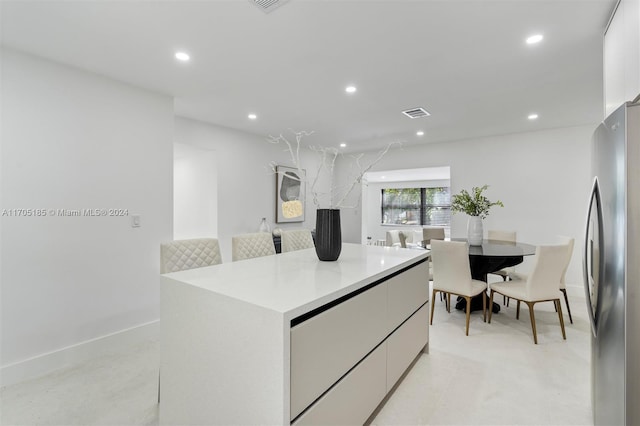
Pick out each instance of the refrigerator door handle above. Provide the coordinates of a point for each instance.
(595, 206)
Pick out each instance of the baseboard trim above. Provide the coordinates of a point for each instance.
(40, 365)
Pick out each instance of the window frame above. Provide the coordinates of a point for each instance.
(423, 206)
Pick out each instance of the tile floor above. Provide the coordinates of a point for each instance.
(495, 376)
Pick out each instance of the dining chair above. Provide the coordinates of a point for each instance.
(428, 234)
(248, 246)
(393, 238)
(541, 285)
(569, 242)
(452, 275)
(296, 239)
(179, 255)
(403, 239)
(432, 233)
(508, 236)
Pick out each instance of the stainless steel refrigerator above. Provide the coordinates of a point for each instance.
(612, 268)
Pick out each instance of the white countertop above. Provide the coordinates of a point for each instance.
(297, 282)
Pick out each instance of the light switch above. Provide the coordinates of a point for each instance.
(135, 221)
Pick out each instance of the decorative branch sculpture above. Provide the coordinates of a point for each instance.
(328, 157)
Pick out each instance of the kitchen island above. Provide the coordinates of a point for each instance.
(288, 339)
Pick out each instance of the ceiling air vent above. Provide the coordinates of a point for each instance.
(416, 113)
(268, 5)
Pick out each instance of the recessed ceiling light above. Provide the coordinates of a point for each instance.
(350, 89)
(537, 38)
(532, 116)
(343, 145)
(182, 56)
(252, 116)
(420, 133)
(383, 177)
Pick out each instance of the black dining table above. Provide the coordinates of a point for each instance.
(491, 256)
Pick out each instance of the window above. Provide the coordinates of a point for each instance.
(416, 206)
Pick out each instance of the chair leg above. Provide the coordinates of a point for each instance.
(557, 303)
(448, 296)
(468, 299)
(518, 311)
(491, 305)
(505, 299)
(533, 321)
(484, 306)
(566, 302)
(433, 298)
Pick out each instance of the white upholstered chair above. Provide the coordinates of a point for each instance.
(403, 238)
(508, 236)
(431, 233)
(452, 275)
(541, 285)
(296, 239)
(179, 255)
(248, 246)
(569, 243)
(393, 238)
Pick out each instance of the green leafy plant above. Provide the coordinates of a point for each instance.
(474, 204)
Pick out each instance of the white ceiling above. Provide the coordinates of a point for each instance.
(466, 62)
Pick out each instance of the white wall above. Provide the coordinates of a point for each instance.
(543, 179)
(195, 192)
(76, 140)
(246, 184)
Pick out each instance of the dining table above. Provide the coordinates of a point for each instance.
(491, 256)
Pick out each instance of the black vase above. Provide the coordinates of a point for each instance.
(328, 234)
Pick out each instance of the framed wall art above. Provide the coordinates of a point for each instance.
(290, 194)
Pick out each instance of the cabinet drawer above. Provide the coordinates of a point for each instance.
(405, 344)
(407, 292)
(326, 346)
(352, 400)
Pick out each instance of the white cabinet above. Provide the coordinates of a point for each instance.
(352, 400)
(405, 343)
(406, 293)
(345, 359)
(287, 338)
(622, 55)
(327, 346)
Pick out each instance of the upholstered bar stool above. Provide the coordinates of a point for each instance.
(180, 255)
(248, 246)
(296, 239)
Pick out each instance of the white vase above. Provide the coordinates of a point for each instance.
(264, 227)
(474, 231)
